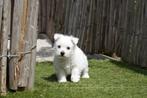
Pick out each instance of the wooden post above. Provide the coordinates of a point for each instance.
(23, 44)
(17, 39)
(32, 38)
(5, 11)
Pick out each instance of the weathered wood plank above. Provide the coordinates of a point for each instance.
(1, 9)
(42, 16)
(23, 66)
(32, 35)
(5, 10)
(16, 38)
(24, 37)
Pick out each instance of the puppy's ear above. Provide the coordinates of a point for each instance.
(57, 36)
(74, 40)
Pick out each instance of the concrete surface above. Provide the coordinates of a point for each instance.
(45, 52)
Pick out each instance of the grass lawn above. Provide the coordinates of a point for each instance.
(108, 79)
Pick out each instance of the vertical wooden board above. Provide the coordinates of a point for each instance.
(121, 26)
(40, 17)
(17, 38)
(59, 15)
(1, 8)
(2, 48)
(67, 12)
(50, 29)
(125, 45)
(98, 34)
(5, 30)
(70, 19)
(111, 23)
(24, 37)
(142, 40)
(32, 38)
(23, 66)
(44, 10)
(144, 25)
(91, 26)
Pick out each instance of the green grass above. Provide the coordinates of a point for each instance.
(108, 79)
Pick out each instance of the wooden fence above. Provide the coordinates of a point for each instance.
(103, 26)
(98, 23)
(134, 48)
(18, 18)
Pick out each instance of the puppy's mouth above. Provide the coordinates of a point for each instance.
(62, 56)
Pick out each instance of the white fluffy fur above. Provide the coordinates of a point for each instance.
(73, 62)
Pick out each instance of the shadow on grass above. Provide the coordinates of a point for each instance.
(132, 67)
(53, 78)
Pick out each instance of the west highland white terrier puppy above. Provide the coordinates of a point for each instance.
(69, 59)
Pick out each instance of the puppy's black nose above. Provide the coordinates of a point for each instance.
(62, 53)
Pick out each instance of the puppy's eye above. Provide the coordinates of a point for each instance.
(59, 46)
(68, 48)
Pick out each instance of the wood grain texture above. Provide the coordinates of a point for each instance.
(17, 39)
(135, 37)
(5, 11)
(103, 26)
(32, 38)
(98, 23)
(23, 44)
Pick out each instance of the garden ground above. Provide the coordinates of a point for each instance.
(108, 79)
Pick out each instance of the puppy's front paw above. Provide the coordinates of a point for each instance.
(62, 80)
(85, 76)
(75, 79)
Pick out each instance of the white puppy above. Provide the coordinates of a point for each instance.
(69, 59)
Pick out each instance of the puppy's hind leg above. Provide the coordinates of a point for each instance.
(85, 73)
